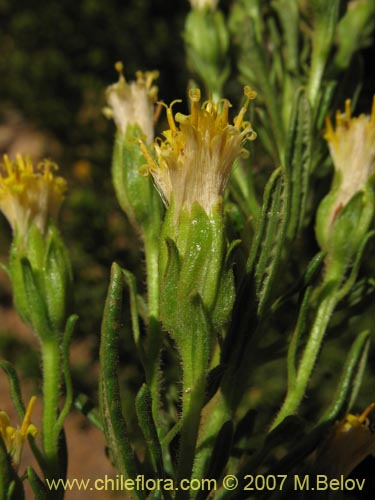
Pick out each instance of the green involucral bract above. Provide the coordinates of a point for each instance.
(42, 280)
(192, 262)
(135, 192)
(348, 229)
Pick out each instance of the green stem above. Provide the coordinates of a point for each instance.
(309, 356)
(151, 243)
(192, 402)
(51, 383)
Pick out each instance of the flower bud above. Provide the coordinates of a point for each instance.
(191, 170)
(345, 214)
(39, 265)
(132, 107)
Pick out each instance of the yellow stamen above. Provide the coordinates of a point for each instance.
(362, 418)
(29, 195)
(27, 417)
(338, 118)
(193, 162)
(119, 67)
(170, 118)
(348, 112)
(147, 155)
(195, 97)
(250, 95)
(8, 165)
(329, 134)
(223, 117)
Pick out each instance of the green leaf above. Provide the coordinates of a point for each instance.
(15, 389)
(37, 307)
(325, 17)
(110, 397)
(255, 70)
(287, 12)
(269, 240)
(220, 453)
(350, 380)
(298, 161)
(39, 489)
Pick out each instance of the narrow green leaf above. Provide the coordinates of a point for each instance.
(298, 161)
(110, 396)
(349, 283)
(350, 380)
(15, 388)
(268, 193)
(39, 489)
(270, 236)
(220, 453)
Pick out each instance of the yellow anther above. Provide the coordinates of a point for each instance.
(249, 93)
(119, 67)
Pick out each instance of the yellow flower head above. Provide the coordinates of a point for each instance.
(352, 147)
(349, 442)
(30, 195)
(194, 161)
(14, 438)
(131, 103)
